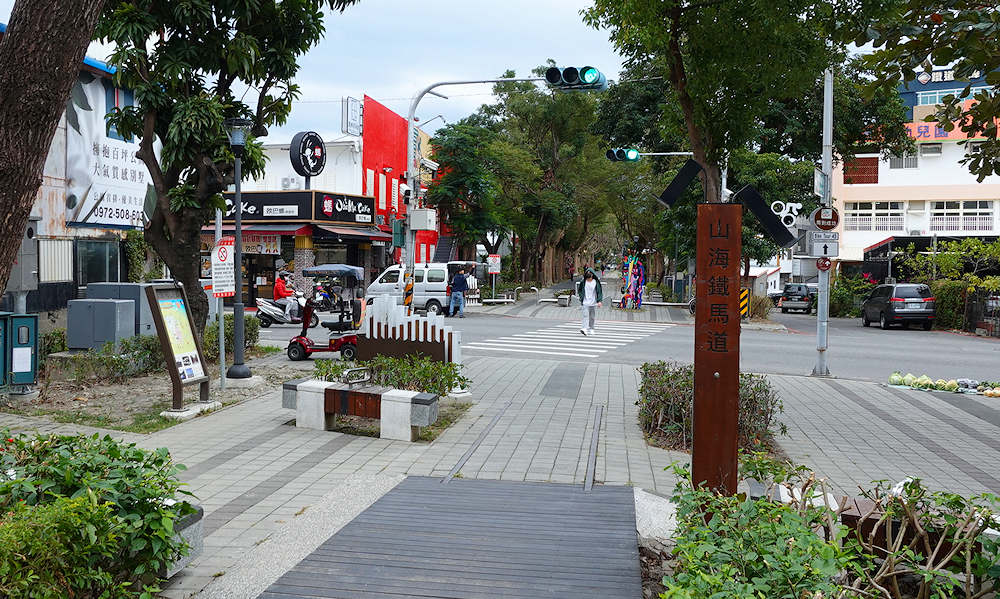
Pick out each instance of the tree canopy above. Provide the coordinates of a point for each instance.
(190, 65)
(962, 33)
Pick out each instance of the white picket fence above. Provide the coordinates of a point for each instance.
(385, 319)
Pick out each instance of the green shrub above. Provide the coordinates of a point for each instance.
(847, 294)
(210, 340)
(50, 343)
(135, 356)
(140, 485)
(66, 548)
(411, 373)
(749, 548)
(666, 401)
(949, 304)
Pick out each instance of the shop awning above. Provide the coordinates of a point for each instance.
(327, 231)
(292, 229)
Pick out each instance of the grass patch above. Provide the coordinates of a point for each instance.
(449, 411)
(147, 421)
(266, 350)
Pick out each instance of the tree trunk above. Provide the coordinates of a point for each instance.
(40, 57)
(180, 250)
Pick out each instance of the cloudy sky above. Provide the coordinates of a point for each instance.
(390, 49)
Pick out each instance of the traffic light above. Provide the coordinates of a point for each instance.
(573, 78)
(623, 155)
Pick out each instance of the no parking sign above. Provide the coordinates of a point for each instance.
(223, 271)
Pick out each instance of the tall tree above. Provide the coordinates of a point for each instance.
(725, 62)
(962, 33)
(40, 58)
(190, 64)
(466, 193)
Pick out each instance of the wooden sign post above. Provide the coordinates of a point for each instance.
(717, 347)
(179, 340)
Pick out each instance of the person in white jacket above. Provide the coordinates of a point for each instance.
(591, 296)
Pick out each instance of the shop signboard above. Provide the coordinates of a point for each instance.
(302, 206)
(106, 185)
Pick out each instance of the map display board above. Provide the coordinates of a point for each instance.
(177, 330)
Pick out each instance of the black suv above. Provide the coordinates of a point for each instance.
(796, 296)
(902, 304)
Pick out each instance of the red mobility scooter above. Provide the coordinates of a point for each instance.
(343, 329)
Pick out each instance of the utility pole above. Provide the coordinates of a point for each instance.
(823, 300)
(413, 161)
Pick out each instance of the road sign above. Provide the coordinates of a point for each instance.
(493, 264)
(818, 236)
(744, 303)
(826, 218)
(823, 264)
(223, 270)
(819, 182)
(825, 249)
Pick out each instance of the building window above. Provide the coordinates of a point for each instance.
(116, 97)
(968, 215)
(904, 161)
(861, 171)
(973, 147)
(96, 261)
(873, 216)
(931, 149)
(937, 96)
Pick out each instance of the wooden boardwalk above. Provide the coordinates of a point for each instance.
(477, 539)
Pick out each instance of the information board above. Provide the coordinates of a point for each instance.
(181, 348)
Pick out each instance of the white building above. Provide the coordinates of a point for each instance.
(914, 198)
(342, 172)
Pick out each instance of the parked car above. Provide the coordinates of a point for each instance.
(431, 284)
(796, 296)
(901, 303)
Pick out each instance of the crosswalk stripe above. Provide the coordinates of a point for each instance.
(575, 334)
(612, 327)
(533, 351)
(581, 342)
(542, 344)
(630, 332)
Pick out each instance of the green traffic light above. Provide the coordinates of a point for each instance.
(631, 155)
(589, 75)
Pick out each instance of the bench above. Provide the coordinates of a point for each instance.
(400, 413)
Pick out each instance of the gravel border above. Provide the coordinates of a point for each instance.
(288, 545)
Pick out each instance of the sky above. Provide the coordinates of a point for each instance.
(390, 50)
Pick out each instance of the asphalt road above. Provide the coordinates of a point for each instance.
(855, 352)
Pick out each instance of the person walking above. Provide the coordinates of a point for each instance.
(591, 296)
(459, 285)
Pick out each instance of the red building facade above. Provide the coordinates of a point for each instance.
(383, 164)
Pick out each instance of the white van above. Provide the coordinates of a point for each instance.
(431, 284)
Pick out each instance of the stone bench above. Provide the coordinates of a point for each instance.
(400, 413)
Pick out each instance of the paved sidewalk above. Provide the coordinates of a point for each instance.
(856, 432)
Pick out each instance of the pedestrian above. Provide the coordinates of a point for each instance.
(591, 295)
(459, 285)
(283, 295)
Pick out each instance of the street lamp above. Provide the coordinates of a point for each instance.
(237, 130)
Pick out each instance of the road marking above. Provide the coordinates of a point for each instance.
(564, 339)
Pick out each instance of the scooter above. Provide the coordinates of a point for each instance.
(343, 335)
(269, 312)
(324, 302)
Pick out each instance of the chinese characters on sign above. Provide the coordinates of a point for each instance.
(717, 343)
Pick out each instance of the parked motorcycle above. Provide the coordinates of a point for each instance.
(322, 299)
(269, 312)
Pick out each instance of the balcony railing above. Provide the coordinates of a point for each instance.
(962, 223)
(888, 223)
(857, 222)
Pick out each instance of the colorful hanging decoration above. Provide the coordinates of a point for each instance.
(633, 282)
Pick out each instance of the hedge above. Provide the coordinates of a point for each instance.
(949, 304)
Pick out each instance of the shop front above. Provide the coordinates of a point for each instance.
(293, 230)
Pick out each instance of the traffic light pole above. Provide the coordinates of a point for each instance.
(823, 299)
(413, 161)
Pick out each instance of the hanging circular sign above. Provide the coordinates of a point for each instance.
(308, 153)
(823, 264)
(825, 219)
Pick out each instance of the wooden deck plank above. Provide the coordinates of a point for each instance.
(471, 539)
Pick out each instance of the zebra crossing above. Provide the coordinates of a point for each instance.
(565, 340)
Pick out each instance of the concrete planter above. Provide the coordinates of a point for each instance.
(564, 300)
(191, 529)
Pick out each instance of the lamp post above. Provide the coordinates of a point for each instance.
(237, 130)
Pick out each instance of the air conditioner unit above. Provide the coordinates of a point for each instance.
(379, 219)
(286, 183)
(915, 232)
